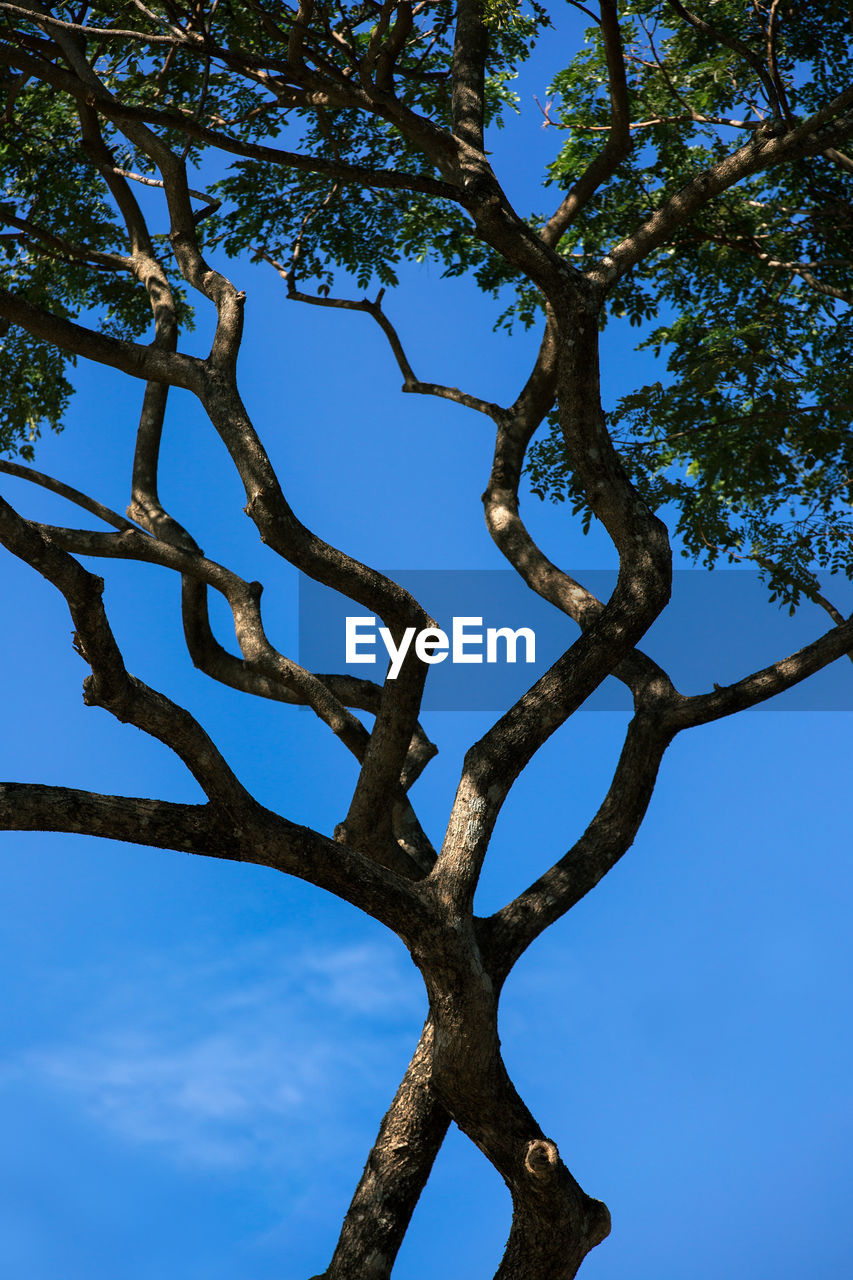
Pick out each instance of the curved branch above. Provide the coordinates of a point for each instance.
(411, 383)
(516, 427)
(266, 838)
(89, 89)
(110, 685)
(145, 506)
(508, 933)
(91, 505)
(266, 672)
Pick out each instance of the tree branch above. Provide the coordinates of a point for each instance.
(618, 145)
(91, 505)
(133, 358)
(396, 1172)
(264, 839)
(508, 933)
(49, 22)
(467, 73)
(117, 112)
(190, 828)
(263, 670)
(110, 685)
(761, 152)
(763, 684)
(61, 247)
(515, 428)
(736, 46)
(411, 383)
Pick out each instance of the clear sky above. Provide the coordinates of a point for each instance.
(196, 1054)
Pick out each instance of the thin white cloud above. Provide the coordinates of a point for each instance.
(230, 1062)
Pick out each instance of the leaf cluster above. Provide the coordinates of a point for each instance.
(747, 439)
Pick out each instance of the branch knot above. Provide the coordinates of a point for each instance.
(541, 1158)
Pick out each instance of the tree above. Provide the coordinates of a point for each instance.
(702, 188)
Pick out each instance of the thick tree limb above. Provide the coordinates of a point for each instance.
(396, 1172)
(133, 358)
(641, 592)
(262, 670)
(190, 828)
(270, 840)
(264, 839)
(515, 428)
(396, 719)
(471, 1081)
(279, 528)
(467, 74)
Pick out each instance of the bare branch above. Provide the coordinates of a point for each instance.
(763, 684)
(183, 234)
(190, 828)
(262, 838)
(263, 670)
(110, 685)
(807, 589)
(609, 835)
(411, 383)
(515, 428)
(773, 61)
(91, 505)
(297, 32)
(211, 204)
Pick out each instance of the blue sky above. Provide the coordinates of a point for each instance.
(195, 1056)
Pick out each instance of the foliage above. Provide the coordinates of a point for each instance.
(747, 437)
(701, 198)
(747, 440)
